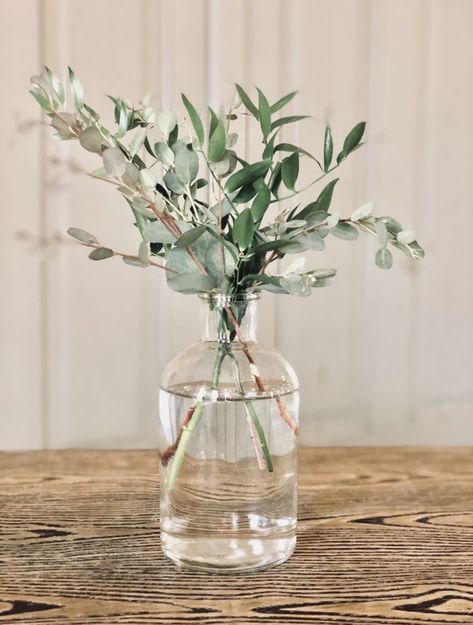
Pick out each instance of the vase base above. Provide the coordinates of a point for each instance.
(232, 556)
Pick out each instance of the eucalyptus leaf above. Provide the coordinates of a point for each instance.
(137, 142)
(247, 175)
(187, 165)
(264, 114)
(328, 148)
(279, 104)
(91, 139)
(406, 236)
(245, 98)
(77, 91)
(384, 258)
(167, 121)
(164, 153)
(290, 170)
(131, 176)
(134, 261)
(114, 162)
(260, 204)
(143, 252)
(157, 232)
(190, 236)
(345, 231)
(101, 253)
(148, 179)
(173, 183)
(82, 235)
(282, 121)
(189, 283)
(362, 212)
(217, 139)
(243, 229)
(322, 203)
(195, 120)
(382, 233)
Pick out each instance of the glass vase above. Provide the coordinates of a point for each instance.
(229, 418)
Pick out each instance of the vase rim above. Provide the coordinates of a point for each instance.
(225, 298)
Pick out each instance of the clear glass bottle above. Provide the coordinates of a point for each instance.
(229, 416)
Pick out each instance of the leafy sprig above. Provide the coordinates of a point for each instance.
(203, 211)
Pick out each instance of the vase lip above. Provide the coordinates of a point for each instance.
(227, 298)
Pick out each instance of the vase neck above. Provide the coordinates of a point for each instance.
(228, 318)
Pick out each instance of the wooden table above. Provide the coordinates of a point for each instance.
(385, 536)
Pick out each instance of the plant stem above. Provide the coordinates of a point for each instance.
(288, 197)
(254, 371)
(189, 424)
(254, 424)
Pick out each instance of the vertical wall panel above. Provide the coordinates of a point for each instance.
(321, 335)
(21, 261)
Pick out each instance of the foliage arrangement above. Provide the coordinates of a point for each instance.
(201, 210)
(214, 222)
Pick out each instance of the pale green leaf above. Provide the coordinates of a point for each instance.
(101, 253)
(384, 258)
(137, 142)
(91, 139)
(77, 91)
(157, 232)
(362, 212)
(187, 165)
(114, 162)
(164, 153)
(82, 235)
(345, 231)
(167, 121)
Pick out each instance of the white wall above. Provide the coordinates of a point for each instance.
(383, 357)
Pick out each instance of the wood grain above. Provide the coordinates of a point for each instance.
(385, 536)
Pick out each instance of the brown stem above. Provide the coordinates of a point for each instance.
(270, 260)
(259, 382)
(171, 450)
(151, 262)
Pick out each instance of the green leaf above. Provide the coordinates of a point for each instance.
(287, 120)
(189, 283)
(77, 91)
(143, 252)
(195, 119)
(41, 100)
(322, 203)
(164, 153)
(381, 233)
(82, 235)
(362, 212)
(217, 138)
(352, 141)
(328, 148)
(101, 253)
(91, 139)
(134, 261)
(173, 183)
(290, 170)
(137, 142)
(264, 114)
(282, 102)
(247, 175)
(188, 237)
(56, 85)
(187, 165)
(345, 231)
(167, 121)
(247, 101)
(243, 229)
(303, 242)
(260, 204)
(156, 232)
(114, 162)
(245, 194)
(131, 175)
(384, 258)
(148, 179)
